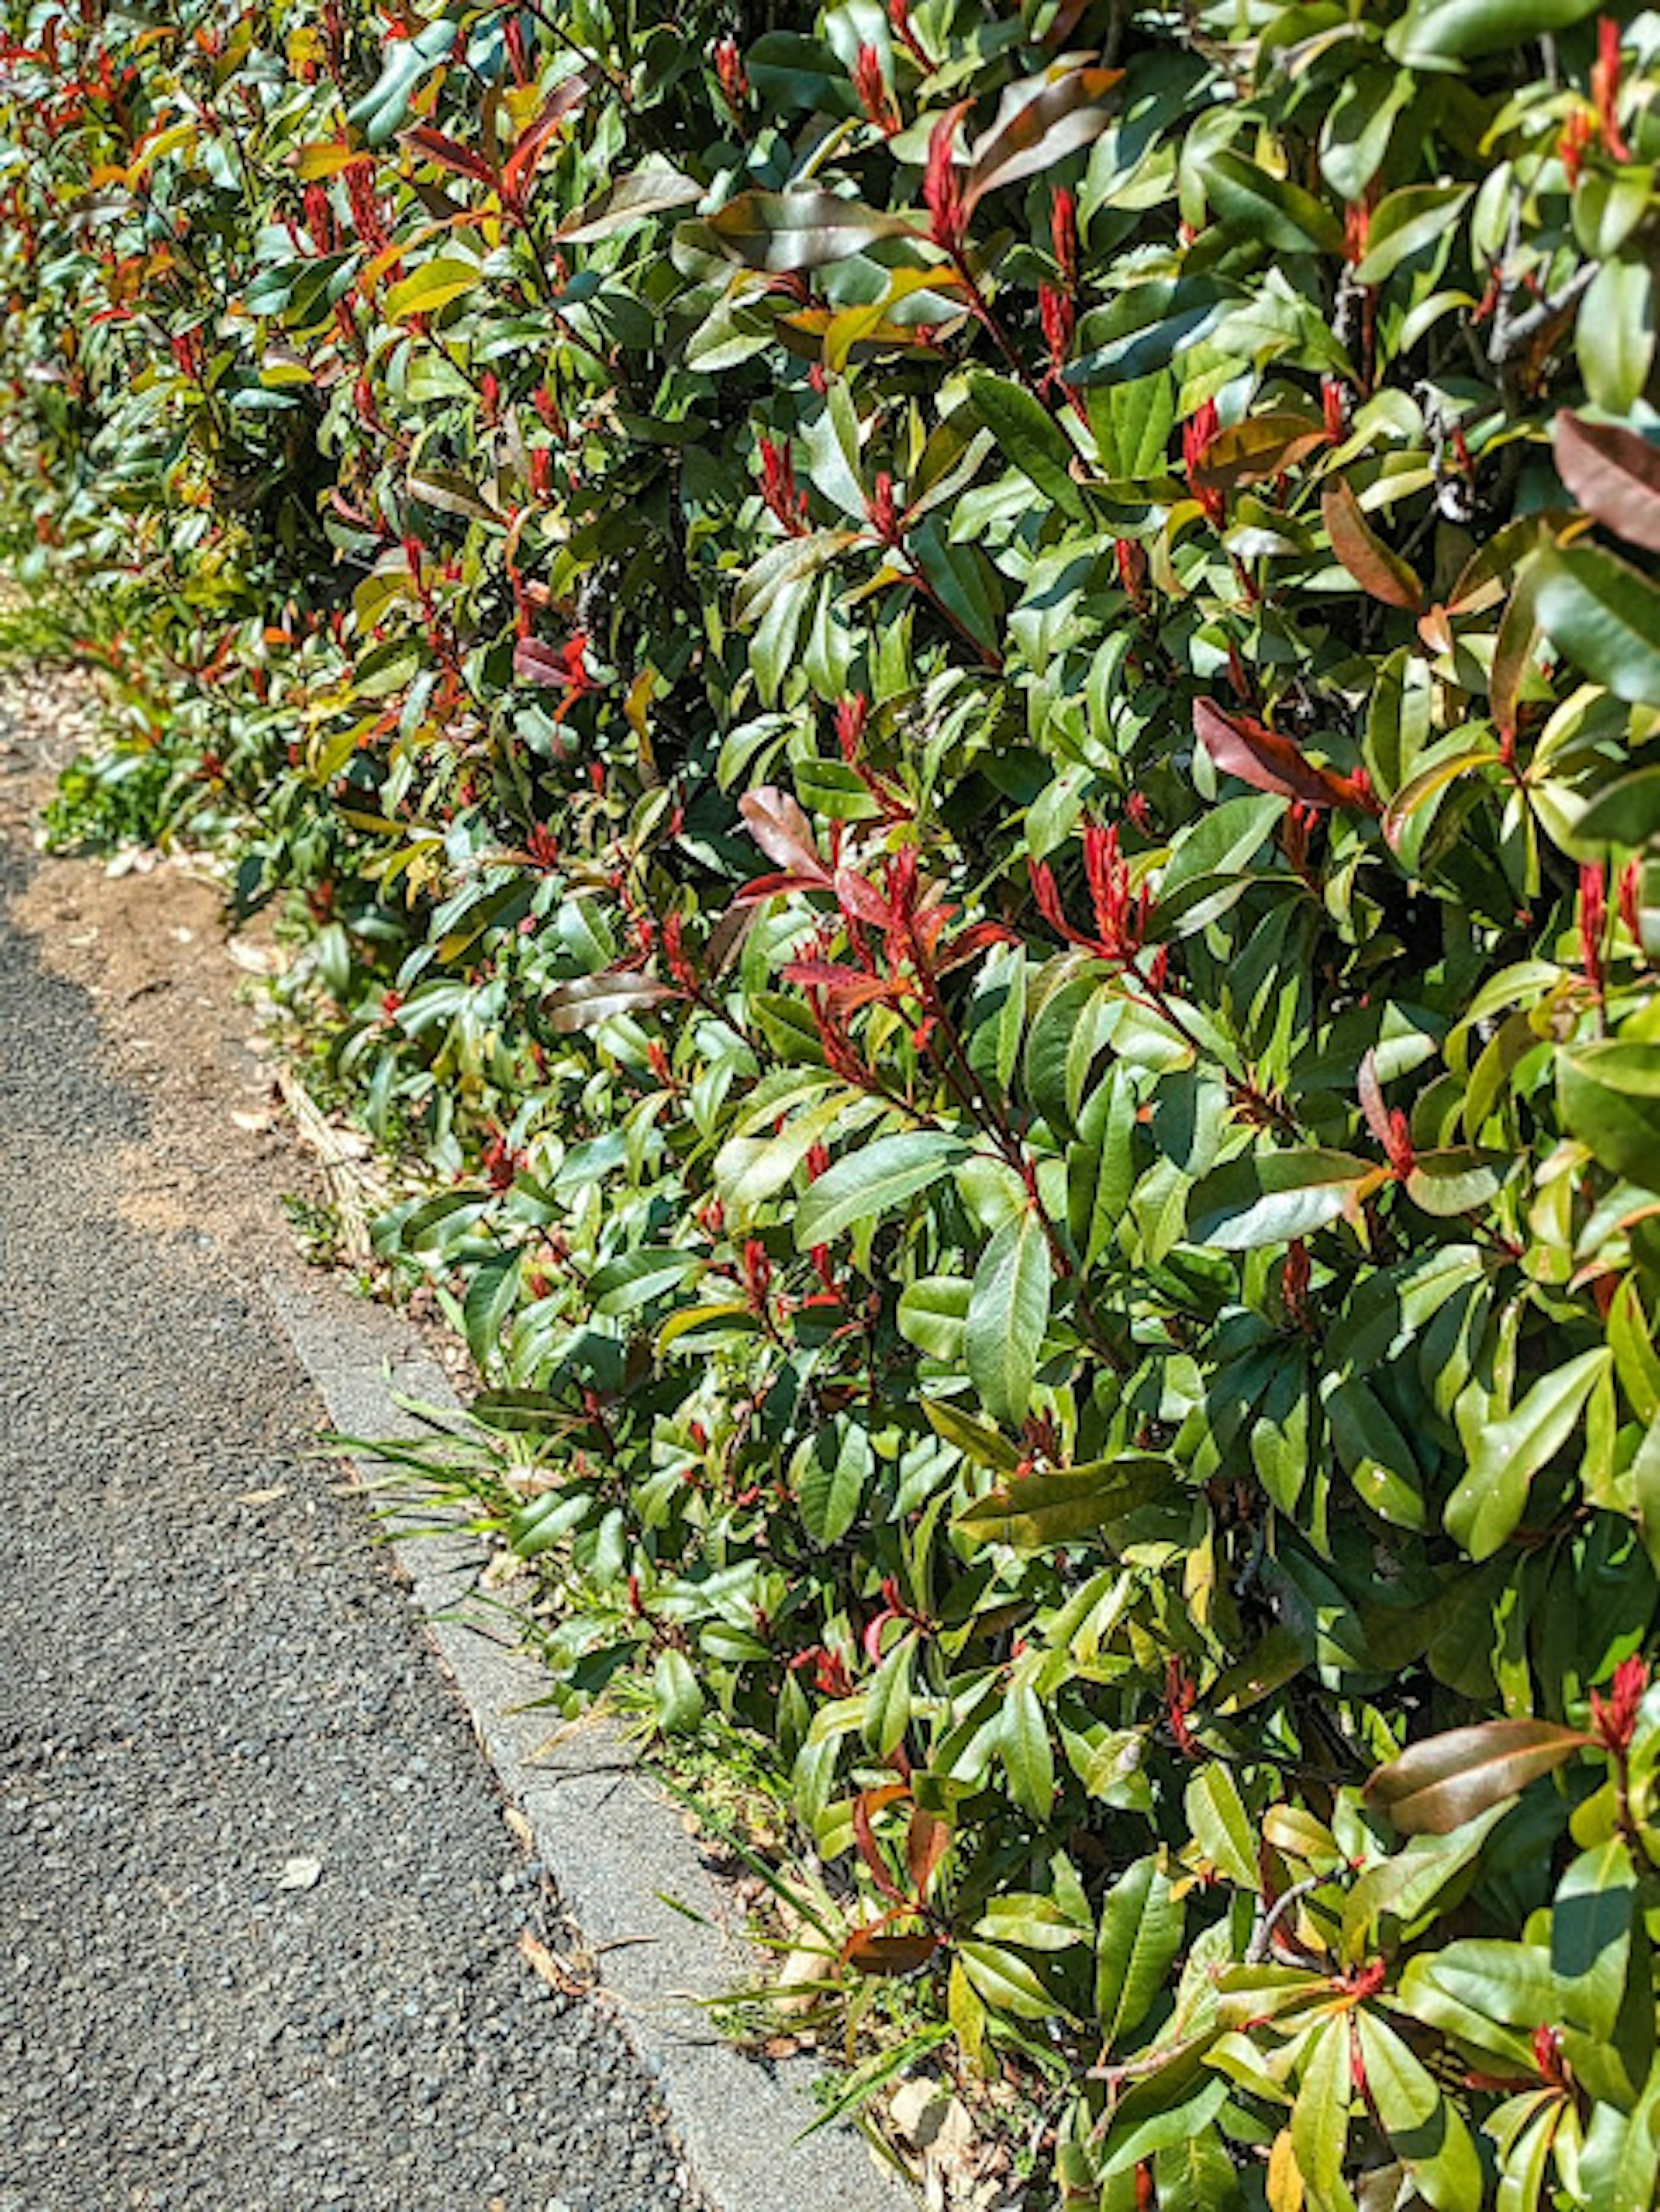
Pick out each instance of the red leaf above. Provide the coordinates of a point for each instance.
(450, 154)
(854, 895)
(869, 1953)
(926, 1842)
(1364, 554)
(867, 1802)
(976, 938)
(783, 832)
(535, 663)
(847, 987)
(1370, 1095)
(1615, 475)
(533, 142)
(766, 887)
(1259, 757)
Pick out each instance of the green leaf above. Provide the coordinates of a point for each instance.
(1377, 1458)
(1147, 328)
(1268, 210)
(1435, 33)
(1458, 1179)
(635, 1278)
(1424, 2131)
(1645, 1489)
(1624, 813)
(981, 1445)
(1035, 1512)
(1198, 2172)
(1394, 1892)
(489, 1300)
(1591, 1934)
(1221, 1826)
(932, 1314)
(1141, 1938)
(1610, 1099)
(1029, 435)
(1358, 125)
(784, 564)
(1488, 1504)
(381, 111)
(1632, 1342)
(1614, 341)
(1133, 420)
(1320, 2117)
(887, 1700)
(675, 1698)
(1268, 1198)
(1605, 616)
(431, 286)
(1028, 1755)
(1406, 222)
(1437, 1785)
(873, 1181)
(1008, 1312)
(833, 1476)
(1479, 1991)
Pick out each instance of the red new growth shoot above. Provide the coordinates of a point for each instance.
(1120, 914)
(1615, 1718)
(1391, 1129)
(851, 715)
(872, 88)
(1593, 921)
(1605, 89)
(882, 508)
(1199, 434)
(1547, 2057)
(942, 187)
(729, 73)
(900, 23)
(778, 488)
(1063, 236)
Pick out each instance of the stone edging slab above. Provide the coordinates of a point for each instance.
(615, 1848)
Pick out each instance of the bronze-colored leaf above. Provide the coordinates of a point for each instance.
(1364, 554)
(869, 1953)
(1437, 1785)
(1615, 475)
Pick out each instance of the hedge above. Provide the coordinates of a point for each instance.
(961, 705)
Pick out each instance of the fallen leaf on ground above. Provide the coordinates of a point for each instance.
(541, 1961)
(299, 1873)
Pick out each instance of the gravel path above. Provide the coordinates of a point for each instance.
(258, 1906)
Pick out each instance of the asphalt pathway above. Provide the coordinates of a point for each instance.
(259, 1904)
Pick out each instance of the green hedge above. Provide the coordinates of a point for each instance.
(963, 706)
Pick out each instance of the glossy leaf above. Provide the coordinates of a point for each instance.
(1437, 1785)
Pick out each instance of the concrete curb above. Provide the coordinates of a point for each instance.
(614, 1847)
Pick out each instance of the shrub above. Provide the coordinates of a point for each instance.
(964, 705)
